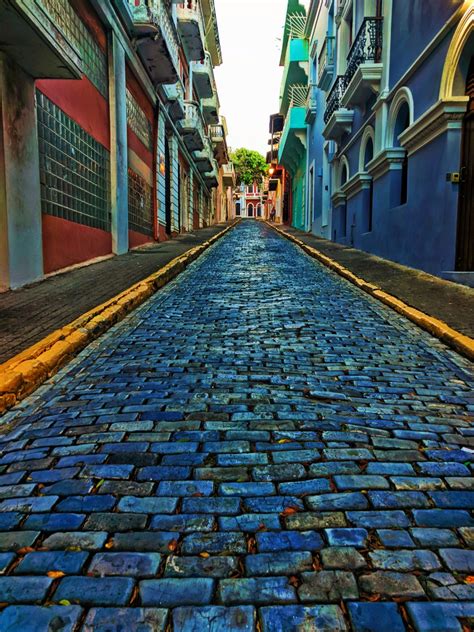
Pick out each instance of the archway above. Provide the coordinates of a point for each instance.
(250, 210)
(456, 66)
(237, 209)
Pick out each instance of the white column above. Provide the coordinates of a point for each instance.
(21, 248)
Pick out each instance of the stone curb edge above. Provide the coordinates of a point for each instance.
(25, 372)
(459, 342)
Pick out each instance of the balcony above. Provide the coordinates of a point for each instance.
(311, 105)
(296, 70)
(326, 63)
(210, 109)
(211, 177)
(338, 119)
(220, 143)
(191, 29)
(364, 64)
(174, 94)
(192, 127)
(156, 40)
(228, 175)
(41, 38)
(293, 141)
(203, 158)
(213, 44)
(203, 78)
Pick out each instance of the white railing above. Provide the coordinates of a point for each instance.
(193, 117)
(296, 25)
(298, 95)
(205, 66)
(156, 12)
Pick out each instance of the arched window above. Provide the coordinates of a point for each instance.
(250, 210)
(344, 177)
(344, 174)
(368, 156)
(399, 119)
(237, 208)
(401, 123)
(259, 210)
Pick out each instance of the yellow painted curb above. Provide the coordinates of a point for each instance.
(25, 372)
(441, 330)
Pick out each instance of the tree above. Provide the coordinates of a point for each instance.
(249, 165)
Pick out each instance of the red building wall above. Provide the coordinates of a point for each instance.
(65, 242)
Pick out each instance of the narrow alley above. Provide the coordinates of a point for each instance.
(260, 446)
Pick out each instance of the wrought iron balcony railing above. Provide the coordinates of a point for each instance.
(367, 46)
(326, 56)
(333, 101)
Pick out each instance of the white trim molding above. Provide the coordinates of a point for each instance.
(339, 124)
(343, 162)
(358, 182)
(388, 159)
(402, 96)
(456, 48)
(366, 81)
(338, 198)
(441, 117)
(367, 134)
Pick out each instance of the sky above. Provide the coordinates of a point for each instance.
(248, 81)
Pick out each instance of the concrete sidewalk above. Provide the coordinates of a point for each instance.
(449, 302)
(29, 314)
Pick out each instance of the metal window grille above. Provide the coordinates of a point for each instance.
(138, 121)
(74, 169)
(140, 204)
(93, 58)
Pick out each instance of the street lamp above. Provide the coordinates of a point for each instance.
(271, 171)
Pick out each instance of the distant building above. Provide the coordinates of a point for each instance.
(249, 201)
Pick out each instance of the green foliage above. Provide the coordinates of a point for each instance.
(249, 165)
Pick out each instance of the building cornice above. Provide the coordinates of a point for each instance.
(442, 116)
(338, 198)
(387, 160)
(359, 181)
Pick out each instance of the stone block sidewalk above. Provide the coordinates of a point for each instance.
(29, 314)
(450, 302)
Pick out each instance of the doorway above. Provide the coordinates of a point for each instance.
(167, 186)
(465, 229)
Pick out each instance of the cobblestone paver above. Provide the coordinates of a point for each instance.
(259, 446)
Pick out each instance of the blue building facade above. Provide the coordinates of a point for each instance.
(389, 152)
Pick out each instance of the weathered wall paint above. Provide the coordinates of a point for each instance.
(20, 209)
(68, 243)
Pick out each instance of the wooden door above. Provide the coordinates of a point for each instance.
(465, 229)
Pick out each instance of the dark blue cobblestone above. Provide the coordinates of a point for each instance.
(257, 435)
(176, 592)
(36, 618)
(126, 619)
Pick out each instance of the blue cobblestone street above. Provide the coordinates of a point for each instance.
(260, 446)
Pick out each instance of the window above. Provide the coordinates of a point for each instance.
(401, 123)
(311, 194)
(250, 210)
(237, 208)
(369, 154)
